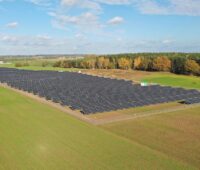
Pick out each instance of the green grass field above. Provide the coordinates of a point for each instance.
(36, 136)
(38, 67)
(176, 134)
(163, 78)
(170, 79)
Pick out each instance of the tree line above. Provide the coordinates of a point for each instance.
(178, 63)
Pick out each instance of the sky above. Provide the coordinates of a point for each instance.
(98, 26)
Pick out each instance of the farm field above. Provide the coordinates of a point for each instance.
(175, 134)
(36, 136)
(162, 78)
(99, 85)
(39, 67)
(133, 111)
(43, 134)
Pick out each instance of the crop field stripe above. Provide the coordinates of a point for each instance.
(175, 134)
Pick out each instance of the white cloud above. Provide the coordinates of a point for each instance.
(40, 2)
(87, 30)
(39, 44)
(88, 4)
(69, 2)
(167, 7)
(84, 20)
(43, 37)
(12, 25)
(80, 36)
(8, 38)
(115, 2)
(170, 7)
(92, 10)
(167, 41)
(116, 20)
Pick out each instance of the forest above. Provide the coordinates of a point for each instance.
(178, 63)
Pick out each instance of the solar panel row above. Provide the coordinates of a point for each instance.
(193, 100)
(91, 94)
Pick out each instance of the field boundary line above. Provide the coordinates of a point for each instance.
(145, 114)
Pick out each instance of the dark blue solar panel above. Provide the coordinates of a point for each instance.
(92, 94)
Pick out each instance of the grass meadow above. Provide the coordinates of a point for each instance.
(163, 78)
(176, 134)
(36, 136)
(175, 80)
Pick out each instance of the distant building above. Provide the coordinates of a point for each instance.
(2, 62)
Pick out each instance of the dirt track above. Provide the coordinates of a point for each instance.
(144, 114)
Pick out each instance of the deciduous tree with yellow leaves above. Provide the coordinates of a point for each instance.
(192, 67)
(162, 64)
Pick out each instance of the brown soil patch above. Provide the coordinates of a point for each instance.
(119, 74)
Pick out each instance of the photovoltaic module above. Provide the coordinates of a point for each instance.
(92, 94)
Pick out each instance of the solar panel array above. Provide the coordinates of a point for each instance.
(91, 94)
(193, 100)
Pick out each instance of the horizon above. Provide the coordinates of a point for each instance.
(71, 27)
(75, 55)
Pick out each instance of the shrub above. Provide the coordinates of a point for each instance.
(66, 64)
(57, 64)
(21, 64)
(18, 65)
(26, 64)
(44, 64)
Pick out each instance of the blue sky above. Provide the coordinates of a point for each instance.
(99, 26)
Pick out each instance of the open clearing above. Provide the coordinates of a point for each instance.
(36, 136)
(176, 134)
(162, 78)
(38, 67)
